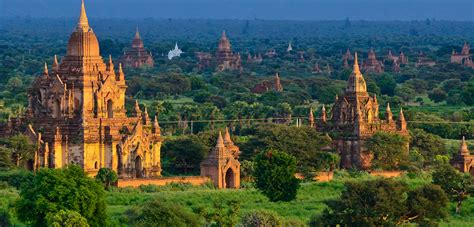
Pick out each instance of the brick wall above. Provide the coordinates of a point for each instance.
(194, 180)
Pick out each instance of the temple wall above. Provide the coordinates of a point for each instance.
(194, 180)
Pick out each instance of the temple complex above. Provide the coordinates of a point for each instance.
(458, 58)
(463, 161)
(226, 59)
(221, 165)
(371, 64)
(137, 56)
(77, 114)
(423, 60)
(355, 118)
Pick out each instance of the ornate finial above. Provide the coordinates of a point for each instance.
(55, 63)
(220, 141)
(463, 149)
(227, 139)
(356, 64)
(137, 108)
(223, 36)
(388, 107)
(402, 116)
(120, 68)
(83, 23)
(45, 69)
(323, 114)
(155, 122)
(137, 33)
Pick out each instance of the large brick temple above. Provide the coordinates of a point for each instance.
(355, 118)
(77, 114)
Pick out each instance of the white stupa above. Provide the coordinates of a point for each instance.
(289, 47)
(176, 52)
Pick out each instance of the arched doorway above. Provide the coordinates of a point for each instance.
(229, 178)
(56, 109)
(110, 109)
(138, 167)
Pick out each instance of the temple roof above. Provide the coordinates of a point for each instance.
(83, 42)
(224, 43)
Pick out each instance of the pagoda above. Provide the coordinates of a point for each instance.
(463, 160)
(77, 114)
(461, 58)
(371, 64)
(226, 59)
(355, 118)
(137, 56)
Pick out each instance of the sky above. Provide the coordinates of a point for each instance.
(459, 10)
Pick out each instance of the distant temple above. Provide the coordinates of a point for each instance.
(256, 59)
(266, 86)
(226, 59)
(176, 52)
(271, 53)
(463, 161)
(424, 61)
(401, 59)
(355, 118)
(77, 115)
(204, 59)
(221, 165)
(289, 48)
(371, 64)
(347, 56)
(464, 58)
(137, 56)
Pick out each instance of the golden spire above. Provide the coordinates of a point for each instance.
(120, 68)
(356, 64)
(83, 23)
(156, 125)
(45, 69)
(55, 63)
(220, 141)
(388, 107)
(137, 34)
(227, 139)
(401, 118)
(463, 149)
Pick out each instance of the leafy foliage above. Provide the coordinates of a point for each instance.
(275, 175)
(184, 154)
(108, 177)
(261, 218)
(458, 186)
(389, 149)
(66, 218)
(383, 202)
(159, 213)
(53, 190)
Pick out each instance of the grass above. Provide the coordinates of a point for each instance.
(310, 199)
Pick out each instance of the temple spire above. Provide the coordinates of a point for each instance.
(227, 139)
(156, 125)
(83, 23)
(55, 63)
(137, 33)
(356, 64)
(223, 36)
(463, 148)
(45, 69)
(401, 123)
(220, 141)
(324, 114)
(388, 113)
(311, 117)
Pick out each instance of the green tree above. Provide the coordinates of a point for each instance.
(66, 218)
(275, 175)
(261, 218)
(159, 213)
(437, 95)
(107, 177)
(383, 202)
(224, 212)
(21, 147)
(389, 149)
(458, 186)
(5, 158)
(184, 154)
(53, 190)
(427, 144)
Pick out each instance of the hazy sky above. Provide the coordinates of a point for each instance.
(247, 9)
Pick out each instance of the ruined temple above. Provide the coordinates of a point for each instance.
(423, 60)
(463, 160)
(464, 58)
(221, 165)
(371, 64)
(77, 114)
(226, 59)
(137, 56)
(355, 118)
(278, 86)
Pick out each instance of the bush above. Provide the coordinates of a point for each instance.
(17, 178)
(5, 219)
(107, 177)
(261, 218)
(66, 218)
(53, 190)
(159, 213)
(275, 175)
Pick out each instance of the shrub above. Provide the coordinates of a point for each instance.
(261, 218)
(17, 178)
(66, 218)
(275, 175)
(159, 213)
(107, 177)
(53, 190)
(5, 219)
